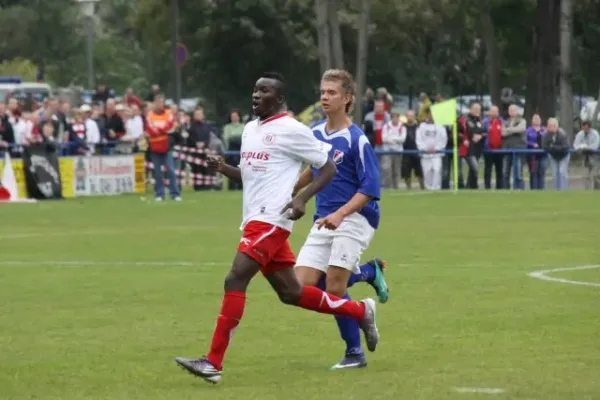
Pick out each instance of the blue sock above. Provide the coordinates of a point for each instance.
(367, 274)
(350, 333)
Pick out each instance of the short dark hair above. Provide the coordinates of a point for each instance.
(279, 78)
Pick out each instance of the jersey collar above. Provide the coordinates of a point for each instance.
(273, 118)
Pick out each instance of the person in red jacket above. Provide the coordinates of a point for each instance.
(493, 127)
(160, 122)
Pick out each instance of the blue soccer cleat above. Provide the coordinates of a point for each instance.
(351, 361)
(378, 283)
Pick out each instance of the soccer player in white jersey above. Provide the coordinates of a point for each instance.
(347, 212)
(274, 146)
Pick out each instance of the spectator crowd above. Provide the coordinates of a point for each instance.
(412, 145)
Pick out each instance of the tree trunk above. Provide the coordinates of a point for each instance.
(566, 88)
(541, 82)
(492, 61)
(323, 35)
(333, 22)
(361, 58)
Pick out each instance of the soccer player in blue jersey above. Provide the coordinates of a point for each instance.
(347, 212)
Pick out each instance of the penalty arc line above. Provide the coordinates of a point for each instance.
(543, 275)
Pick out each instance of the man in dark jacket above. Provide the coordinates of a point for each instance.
(411, 162)
(199, 138)
(513, 138)
(556, 143)
(471, 135)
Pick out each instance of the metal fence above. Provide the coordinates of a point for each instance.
(582, 169)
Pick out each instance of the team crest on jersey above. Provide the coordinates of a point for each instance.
(269, 139)
(338, 156)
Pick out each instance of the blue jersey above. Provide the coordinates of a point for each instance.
(357, 172)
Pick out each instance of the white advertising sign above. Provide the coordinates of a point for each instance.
(104, 175)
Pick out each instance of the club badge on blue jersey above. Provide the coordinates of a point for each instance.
(338, 156)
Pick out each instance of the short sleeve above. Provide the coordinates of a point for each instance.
(367, 169)
(304, 146)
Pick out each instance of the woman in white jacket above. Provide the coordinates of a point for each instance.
(393, 136)
(431, 140)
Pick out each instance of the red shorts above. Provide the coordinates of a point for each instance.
(268, 245)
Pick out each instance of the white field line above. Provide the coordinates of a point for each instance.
(117, 263)
(109, 231)
(543, 275)
(485, 390)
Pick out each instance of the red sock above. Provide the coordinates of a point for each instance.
(232, 310)
(317, 300)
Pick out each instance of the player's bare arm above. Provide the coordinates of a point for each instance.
(216, 163)
(305, 179)
(356, 203)
(297, 206)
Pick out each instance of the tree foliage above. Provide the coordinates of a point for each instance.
(437, 46)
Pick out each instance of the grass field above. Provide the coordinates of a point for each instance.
(97, 297)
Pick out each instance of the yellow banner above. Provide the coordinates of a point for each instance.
(139, 163)
(67, 176)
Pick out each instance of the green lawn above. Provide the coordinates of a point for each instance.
(97, 296)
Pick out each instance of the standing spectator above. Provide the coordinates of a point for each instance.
(20, 129)
(556, 143)
(431, 140)
(131, 99)
(155, 91)
(101, 95)
(160, 123)
(448, 161)
(411, 162)
(493, 127)
(232, 136)
(93, 119)
(388, 100)
(179, 140)
(63, 116)
(115, 126)
(134, 128)
(424, 104)
(374, 122)
(471, 133)
(537, 162)
(368, 102)
(200, 135)
(513, 138)
(99, 117)
(32, 123)
(394, 136)
(7, 134)
(587, 142)
(12, 107)
(77, 139)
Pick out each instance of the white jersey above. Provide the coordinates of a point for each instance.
(272, 155)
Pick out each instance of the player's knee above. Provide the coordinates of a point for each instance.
(337, 287)
(337, 281)
(289, 295)
(235, 282)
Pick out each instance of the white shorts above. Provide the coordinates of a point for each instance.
(342, 247)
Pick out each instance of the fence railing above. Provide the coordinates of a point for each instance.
(517, 159)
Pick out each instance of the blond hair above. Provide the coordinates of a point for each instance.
(347, 82)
